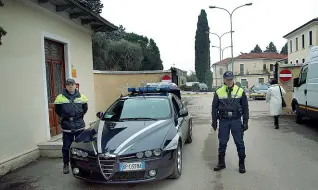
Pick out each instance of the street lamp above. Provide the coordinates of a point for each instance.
(231, 14)
(221, 59)
(224, 49)
(220, 41)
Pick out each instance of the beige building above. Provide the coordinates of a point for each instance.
(249, 68)
(300, 40)
(44, 45)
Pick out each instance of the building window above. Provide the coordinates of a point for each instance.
(241, 69)
(296, 44)
(271, 67)
(303, 41)
(296, 61)
(310, 38)
(291, 46)
(243, 82)
(261, 80)
(303, 60)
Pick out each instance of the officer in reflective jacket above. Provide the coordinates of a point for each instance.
(70, 106)
(228, 106)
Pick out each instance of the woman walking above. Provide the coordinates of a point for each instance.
(275, 99)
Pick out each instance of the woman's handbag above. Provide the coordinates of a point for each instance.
(281, 94)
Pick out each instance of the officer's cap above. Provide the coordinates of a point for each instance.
(70, 81)
(228, 75)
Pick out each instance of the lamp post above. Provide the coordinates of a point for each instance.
(220, 41)
(222, 57)
(231, 14)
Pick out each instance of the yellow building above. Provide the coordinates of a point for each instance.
(46, 42)
(300, 40)
(249, 68)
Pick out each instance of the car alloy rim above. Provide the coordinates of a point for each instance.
(179, 159)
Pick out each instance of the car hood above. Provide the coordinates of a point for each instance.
(130, 136)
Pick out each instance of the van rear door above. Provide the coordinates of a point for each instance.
(312, 84)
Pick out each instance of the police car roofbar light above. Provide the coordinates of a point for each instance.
(149, 89)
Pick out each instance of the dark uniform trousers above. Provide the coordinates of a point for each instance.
(68, 139)
(235, 126)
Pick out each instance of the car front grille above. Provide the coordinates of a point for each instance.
(128, 157)
(125, 176)
(106, 165)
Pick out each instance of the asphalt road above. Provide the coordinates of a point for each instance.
(276, 159)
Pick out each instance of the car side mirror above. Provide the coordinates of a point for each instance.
(99, 114)
(296, 82)
(183, 112)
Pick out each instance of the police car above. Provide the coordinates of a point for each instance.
(139, 138)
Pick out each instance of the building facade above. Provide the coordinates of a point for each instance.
(45, 44)
(249, 68)
(300, 40)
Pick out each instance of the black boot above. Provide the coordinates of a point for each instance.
(242, 164)
(276, 127)
(66, 169)
(221, 165)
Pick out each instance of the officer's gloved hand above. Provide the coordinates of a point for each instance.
(214, 125)
(245, 125)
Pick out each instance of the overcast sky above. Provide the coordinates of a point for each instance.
(172, 24)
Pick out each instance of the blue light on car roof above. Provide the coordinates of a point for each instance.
(149, 89)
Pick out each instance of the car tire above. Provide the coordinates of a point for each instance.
(177, 163)
(298, 116)
(189, 137)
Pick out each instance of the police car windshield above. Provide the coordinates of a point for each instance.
(139, 108)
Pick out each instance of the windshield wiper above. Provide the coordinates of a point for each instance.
(139, 118)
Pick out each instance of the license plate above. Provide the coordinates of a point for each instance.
(132, 166)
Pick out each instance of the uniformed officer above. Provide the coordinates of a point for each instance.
(70, 106)
(229, 105)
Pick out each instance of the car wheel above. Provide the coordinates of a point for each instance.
(177, 168)
(298, 116)
(189, 137)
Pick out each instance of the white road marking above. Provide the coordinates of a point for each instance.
(137, 134)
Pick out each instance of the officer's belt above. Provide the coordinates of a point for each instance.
(228, 114)
(70, 118)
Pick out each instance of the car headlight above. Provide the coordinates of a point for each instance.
(74, 151)
(157, 152)
(140, 154)
(79, 153)
(148, 153)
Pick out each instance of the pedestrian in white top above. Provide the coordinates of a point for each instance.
(274, 98)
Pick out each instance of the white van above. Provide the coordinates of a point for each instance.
(305, 95)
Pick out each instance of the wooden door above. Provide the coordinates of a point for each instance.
(55, 79)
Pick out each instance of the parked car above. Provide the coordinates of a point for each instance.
(258, 91)
(305, 101)
(139, 138)
(200, 87)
